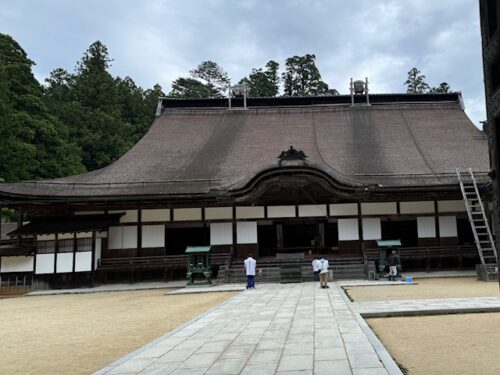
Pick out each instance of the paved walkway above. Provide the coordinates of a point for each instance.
(274, 329)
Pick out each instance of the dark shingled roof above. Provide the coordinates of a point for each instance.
(399, 141)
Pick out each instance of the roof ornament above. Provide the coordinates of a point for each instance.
(238, 91)
(359, 87)
(292, 157)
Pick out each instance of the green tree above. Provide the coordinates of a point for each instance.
(416, 82)
(213, 76)
(34, 143)
(443, 88)
(302, 77)
(263, 83)
(192, 88)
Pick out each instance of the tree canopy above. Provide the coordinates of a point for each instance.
(415, 84)
(263, 82)
(302, 77)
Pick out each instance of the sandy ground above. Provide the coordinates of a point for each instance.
(79, 334)
(454, 287)
(445, 344)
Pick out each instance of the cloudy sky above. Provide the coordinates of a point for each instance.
(155, 41)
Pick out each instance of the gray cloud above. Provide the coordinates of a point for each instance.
(156, 40)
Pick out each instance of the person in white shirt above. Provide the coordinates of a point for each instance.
(323, 272)
(315, 266)
(250, 265)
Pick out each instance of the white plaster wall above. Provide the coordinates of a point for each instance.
(44, 264)
(312, 210)
(221, 233)
(129, 217)
(280, 211)
(161, 214)
(448, 226)
(379, 208)
(83, 261)
(98, 252)
(115, 238)
(84, 235)
(246, 232)
(344, 209)
(372, 229)
(153, 236)
(103, 234)
(130, 237)
(218, 213)
(250, 212)
(421, 207)
(65, 236)
(186, 214)
(64, 263)
(426, 227)
(16, 264)
(46, 237)
(122, 237)
(348, 229)
(451, 206)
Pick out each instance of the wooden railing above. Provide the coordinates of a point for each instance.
(466, 251)
(153, 262)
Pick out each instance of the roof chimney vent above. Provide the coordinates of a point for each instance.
(359, 87)
(239, 90)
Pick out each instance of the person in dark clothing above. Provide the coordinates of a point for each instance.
(393, 263)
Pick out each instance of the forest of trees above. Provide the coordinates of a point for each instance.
(85, 119)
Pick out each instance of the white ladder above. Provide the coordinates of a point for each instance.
(477, 217)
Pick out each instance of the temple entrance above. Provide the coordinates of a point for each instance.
(266, 234)
(178, 238)
(301, 236)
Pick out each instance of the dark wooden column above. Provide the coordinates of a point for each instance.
(139, 232)
(360, 228)
(235, 234)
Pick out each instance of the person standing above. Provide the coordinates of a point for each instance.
(250, 265)
(323, 273)
(315, 267)
(393, 262)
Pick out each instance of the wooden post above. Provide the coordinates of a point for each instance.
(360, 228)
(139, 232)
(92, 265)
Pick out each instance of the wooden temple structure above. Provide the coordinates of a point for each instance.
(316, 175)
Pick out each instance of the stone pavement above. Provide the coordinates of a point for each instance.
(274, 329)
(426, 306)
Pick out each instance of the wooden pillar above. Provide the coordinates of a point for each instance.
(360, 228)
(279, 236)
(436, 219)
(19, 225)
(235, 233)
(92, 265)
(56, 250)
(75, 248)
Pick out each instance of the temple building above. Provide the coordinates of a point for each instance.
(313, 175)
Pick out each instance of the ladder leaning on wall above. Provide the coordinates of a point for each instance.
(477, 217)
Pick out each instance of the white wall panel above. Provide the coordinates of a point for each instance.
(421, 207)
(221, 233)
(344, 209)
(348, 229)
(16, 264)
(83, 261)
(246, 232)
(153, 236)
(187, 214)
(65, 236)
(130, 237)
(451, 206)
(447, 226)
(379, 208)
(250, 212)
(426, 227)
(280, 211)
(122, 237)
(84, 235)
(218, 213)
(161, 214)
(312, 210)
(64, 263)
(44, 264)
(129, 217)
(46, 237)
(372, 229)
(98, 252)
(115, 238)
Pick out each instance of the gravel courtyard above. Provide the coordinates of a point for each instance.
(79, 334)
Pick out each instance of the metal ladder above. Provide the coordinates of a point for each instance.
(477, 217)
